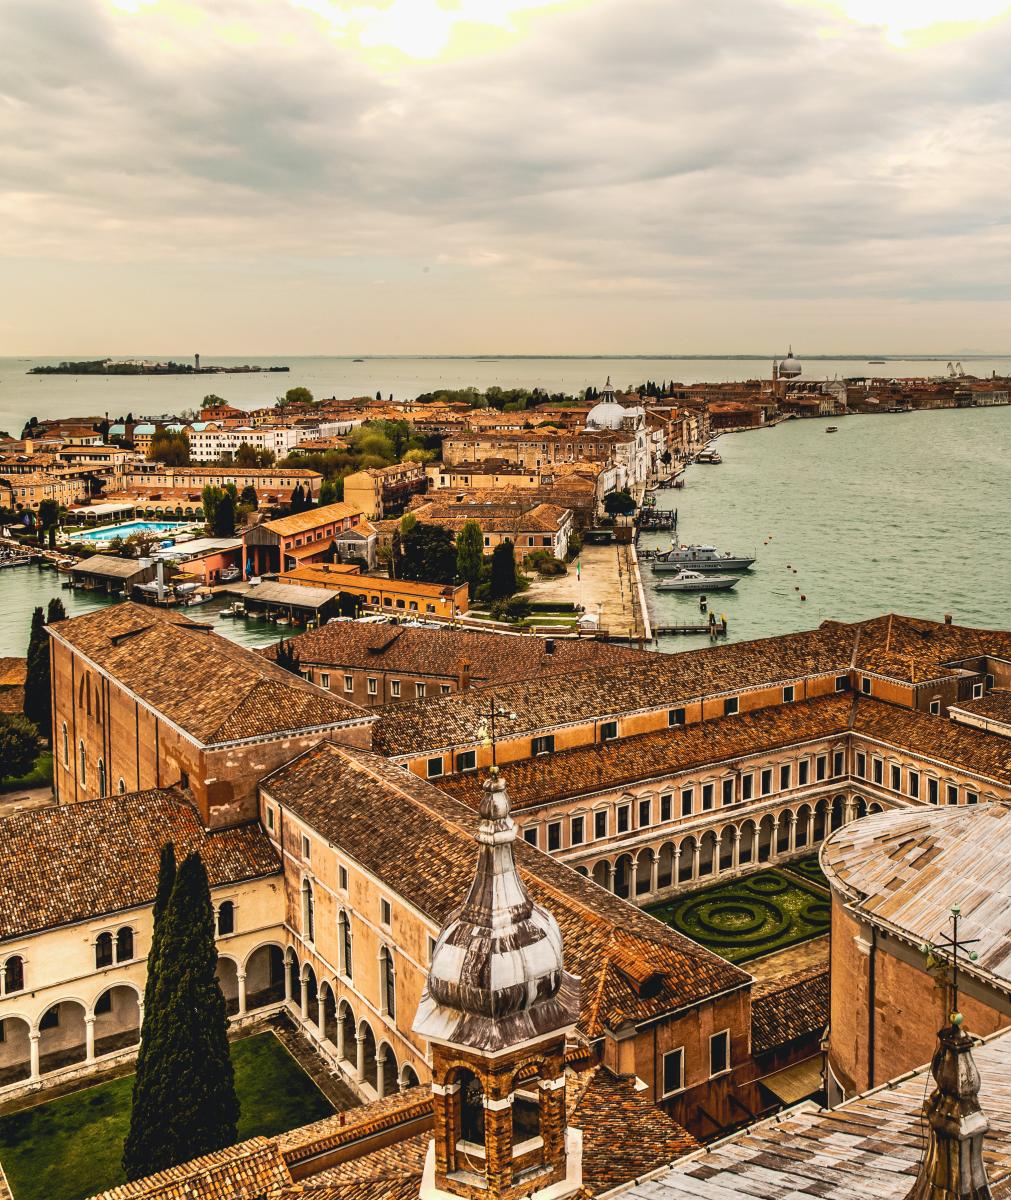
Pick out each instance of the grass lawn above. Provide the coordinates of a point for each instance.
(748, 917)
(71, 1147)
(41, 775)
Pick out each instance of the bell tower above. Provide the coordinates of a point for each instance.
(496, 1010)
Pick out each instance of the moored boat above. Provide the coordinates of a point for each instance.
(700, 558)
(695, 581)
(709, 457)
(832, 429)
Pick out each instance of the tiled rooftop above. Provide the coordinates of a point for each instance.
(420, 842)
(213, 689)
(783, 1010)
(313, 518)
(78, 861)
(251, 1170)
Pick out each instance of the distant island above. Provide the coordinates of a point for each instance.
(133, 366)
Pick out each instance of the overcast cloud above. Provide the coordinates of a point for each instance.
(609, 176)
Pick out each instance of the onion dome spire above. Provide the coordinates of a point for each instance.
(952, 1166)
(497, 977)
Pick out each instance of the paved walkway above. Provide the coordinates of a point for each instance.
(606, 587)
(804, 957)
(24, 799)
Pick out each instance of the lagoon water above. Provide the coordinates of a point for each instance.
(908, 513)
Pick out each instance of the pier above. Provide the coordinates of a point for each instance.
(715, 629)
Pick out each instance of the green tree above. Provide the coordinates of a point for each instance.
(224, 517)
(56, 611)
(429, 554)
(407, 523)
(287, 657)
(297, 395)
(19, 745)
(188, 1068)
(211, 401)
(249, 497)
(470, 554)
(38, 704)
(210, 498)
(49, 516)
(172, 449)
(327, 492)
(141, 543)
(504, 581)
(619, 504)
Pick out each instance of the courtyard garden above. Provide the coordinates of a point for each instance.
(749, 917)
(71, 1147)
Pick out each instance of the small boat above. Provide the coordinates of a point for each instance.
(875, 362)
(700, 558)
(695, 581)
(832, 429)
(709, 457)
(229, 575)
(238, 609)
(282, 621)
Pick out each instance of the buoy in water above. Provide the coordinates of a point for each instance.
(803, 597)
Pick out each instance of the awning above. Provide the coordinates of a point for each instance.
(795, 1083)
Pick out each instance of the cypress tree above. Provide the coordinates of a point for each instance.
(503, 571)
(470, 554)
(142, 1138)
(198, 1110)
(38, 703)
(56, 611)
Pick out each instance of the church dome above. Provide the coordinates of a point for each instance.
(497, 976)
(789, 368)
(608, 414)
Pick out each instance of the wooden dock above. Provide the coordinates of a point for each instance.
(717, 629)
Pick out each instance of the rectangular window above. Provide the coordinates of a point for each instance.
(766, 781)
(687, 801)
(821, 767)
(305, 847)
(708, 795)
(600, 824)
(879, 770)
(270, 819)
(719, 1052)
(865, 685)
(349, 683)
(385, 912)
(419, 691)
(577, 830)
(608, 731)
(373, 687)
(952, 792)
(673, 1072)
(972, 798)
(324, 679)
(728, 790)
(788, 694)
(731, 706)
(803, 772)
(838, 763)
(342, 878)
(644, 813)
(914, 784)
(935, 708)
(543, 745)
(435, 767)
(932, 791)
(977, 691)
(666, 806)
(466, 760)
(555, 835)
(624, 818)
(444, 689)
(676, 717)
(747, 786)
(530, 835)
(784, 777)
(861, 765)
(842, 682)
(895, 777)
(395, 688)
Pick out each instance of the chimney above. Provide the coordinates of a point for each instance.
(463, 674)
(952, 1165)
(947, 618)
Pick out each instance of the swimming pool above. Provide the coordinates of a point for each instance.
(106, 534)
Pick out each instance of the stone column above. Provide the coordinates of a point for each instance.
(303, 998)
(340, 1039)
(793, 832)
(360, 1057)
(737, 847)
(380, 1078)
(89, 1040)
(612, 872)
(675, 866)
(287, 981)
(654, 874)
(774, 840)
(848, 810)
(240, 977)
(810, 828)
(321, 1016)
(695, 860)
(33, 1039)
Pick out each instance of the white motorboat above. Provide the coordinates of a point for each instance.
(700, 558)
(695, 581)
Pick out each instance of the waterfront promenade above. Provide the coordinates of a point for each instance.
(607, 587)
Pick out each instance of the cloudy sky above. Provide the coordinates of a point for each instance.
(469, 176)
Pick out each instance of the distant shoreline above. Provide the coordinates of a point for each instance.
(110, 367)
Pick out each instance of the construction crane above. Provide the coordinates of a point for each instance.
(955, 371)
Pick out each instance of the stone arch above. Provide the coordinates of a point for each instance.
(874, 807)
(326, 1017)
(728, 836)
(15, 1049)
(581, 870)
(708, 854)
(623, 874)
(347, 1028)
(601, 873)
(387, 1070)
(838, 812)
(62, 1035)
(308, 979)
(665, 866)
(117, 1018)
(644, 871)
(368, 1054)
(408, 1077)
(766, 831)
(748, 850)
(822, 819)
(859, 806)
(802, 835)
(265, 972)
(686, 864)
(786, 818)
(227, 974)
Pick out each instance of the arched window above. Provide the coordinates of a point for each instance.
(14, 975)
(387, 982)
(308, 917)
(344, 928)
(66, 746)
(101, 777)
(121, 785)
(226, 917)
(103, 950)
(124, 944)
(83, 772)
(471, 1108)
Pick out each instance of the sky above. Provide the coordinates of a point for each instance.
(504, 176)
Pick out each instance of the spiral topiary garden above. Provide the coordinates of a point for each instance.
(755, 915)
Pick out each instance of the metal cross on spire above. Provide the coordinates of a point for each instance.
(943, 957)
(486, 729)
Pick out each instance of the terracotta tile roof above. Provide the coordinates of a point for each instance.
(355, 1123)
(995, 705)
(915, 650)
(253, 1169)
(493, 658)
(575, 772)
(783, 1010)
(870, 1146)
(78, 861)
(213, 689)
(13, 672)
(495, 518)
(352, 797)
(311, 519)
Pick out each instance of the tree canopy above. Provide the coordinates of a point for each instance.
(504, 580)
(172, 449)
(38, 703)
(19, 745)
(429, 554)
(470, 554)
(619, 504)
(297, 395)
